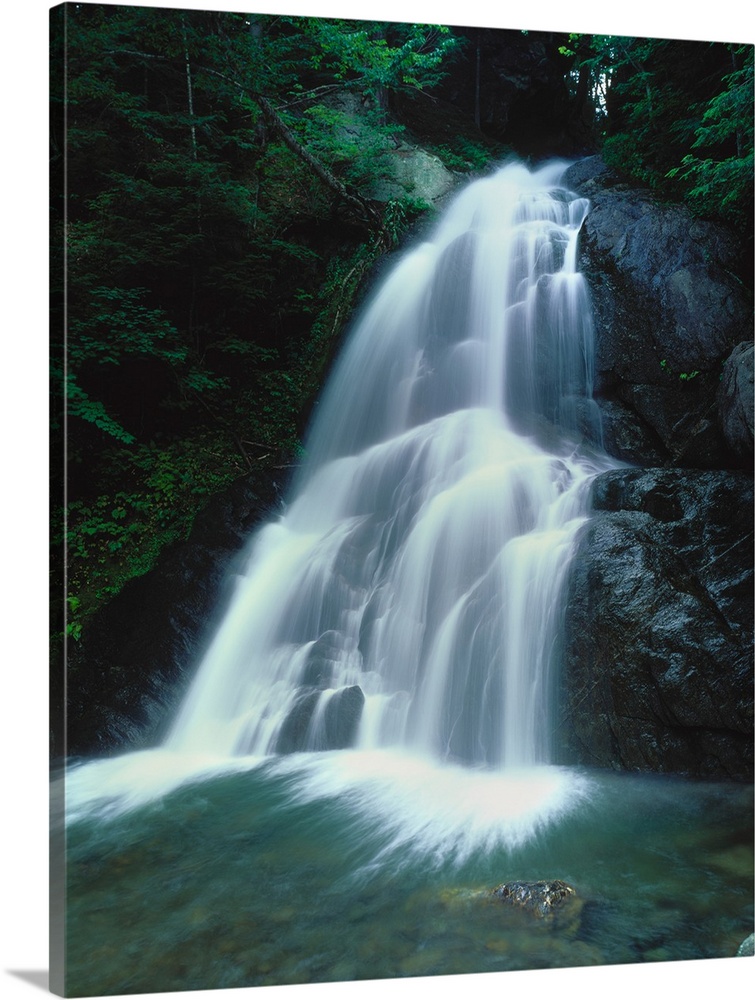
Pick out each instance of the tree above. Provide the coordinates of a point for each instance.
(675, 115)
(719, 173)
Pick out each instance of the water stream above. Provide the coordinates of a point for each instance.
(369, 737)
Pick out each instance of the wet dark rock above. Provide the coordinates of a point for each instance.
(657, 658)
(342, 715)
(735, 401)
(589, 176)
(669, 309)
(658, 625)
(131, 664)
(547, 900)
(307, 727)
(293, 734)
(626, 436)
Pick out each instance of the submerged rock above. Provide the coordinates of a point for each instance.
(747, 947)
(539, 906)
(550, 901)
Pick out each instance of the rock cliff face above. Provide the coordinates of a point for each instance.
(657, 665)
(657, 658)
(673, 322)
(734, 400)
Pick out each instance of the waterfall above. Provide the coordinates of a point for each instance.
(367, 746)
(409, 595)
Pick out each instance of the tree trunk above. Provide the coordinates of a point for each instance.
(190, 92)
(366, 211)
(477, 83)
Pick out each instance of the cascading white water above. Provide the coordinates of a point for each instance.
(409, 595)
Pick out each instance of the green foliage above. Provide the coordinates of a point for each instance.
(117, 323)
(464, 155)
(676, 116)
(93, 411)
(400, 215)
(381, 56)
(119, 533)
(716, 181)
(354, 146)
(683, 376)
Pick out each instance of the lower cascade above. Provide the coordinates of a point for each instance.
(408, 599)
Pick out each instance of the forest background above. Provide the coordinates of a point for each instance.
(230, 188)
(26, 430)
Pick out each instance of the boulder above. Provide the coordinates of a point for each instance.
(292, 735)
(657, 655)
(402, 168)
(310, 727)
(668, 309)
(342, 715)
(415, 172)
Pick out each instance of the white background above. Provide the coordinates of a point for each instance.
(24, 516)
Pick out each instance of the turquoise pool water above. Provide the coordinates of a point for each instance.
(307, 869)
